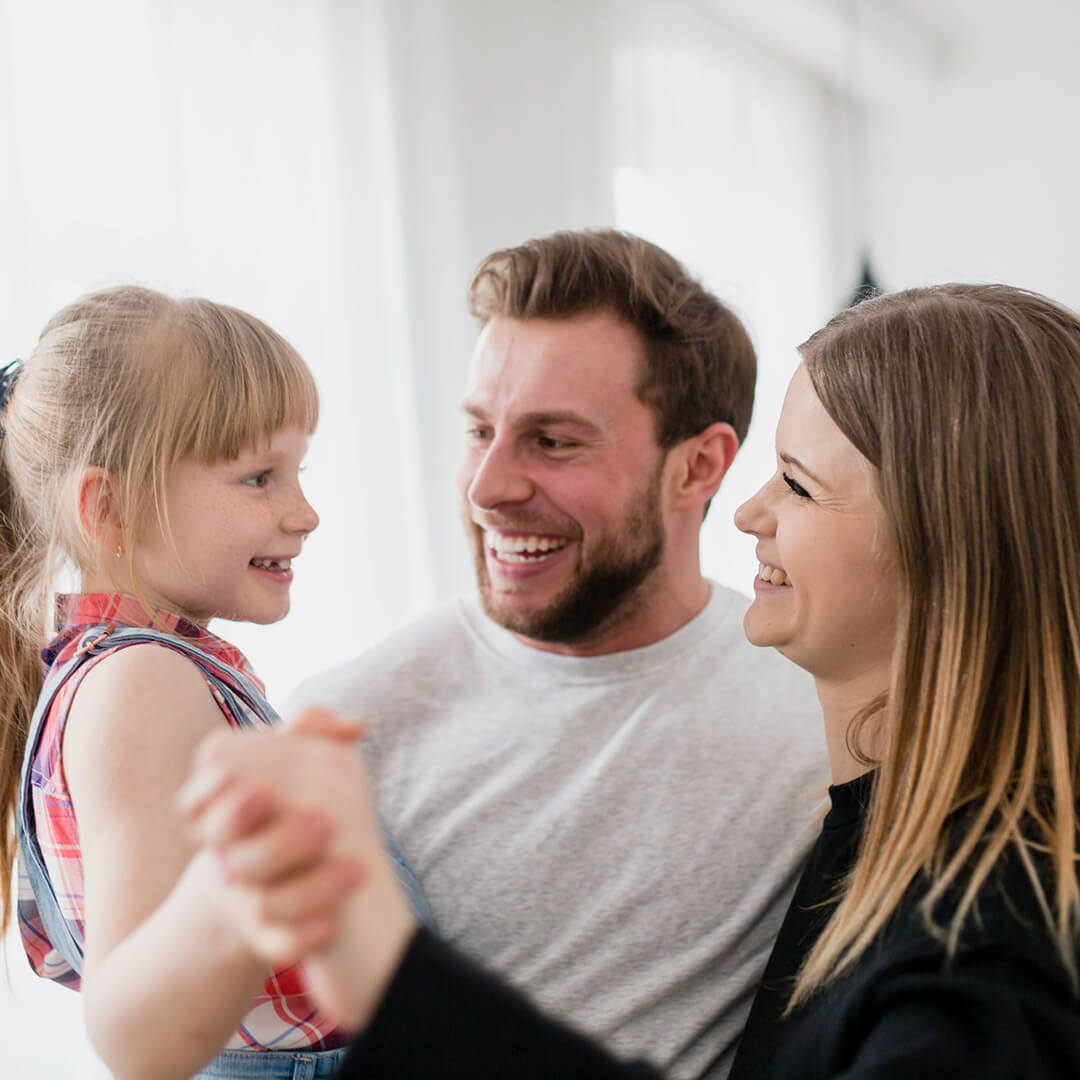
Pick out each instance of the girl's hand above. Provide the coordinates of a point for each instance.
(253, 798)
(288, 814)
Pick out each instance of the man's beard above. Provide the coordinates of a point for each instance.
(603, 594)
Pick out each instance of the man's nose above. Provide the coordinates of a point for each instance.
(499, 476)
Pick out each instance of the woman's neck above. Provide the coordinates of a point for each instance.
(841, 703)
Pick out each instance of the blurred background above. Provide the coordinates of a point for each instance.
(338, 167)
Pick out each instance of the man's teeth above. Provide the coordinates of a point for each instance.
(771, 574)
(272, 564)
(518, 549)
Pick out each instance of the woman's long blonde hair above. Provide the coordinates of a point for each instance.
(966, 399)
(131, 381)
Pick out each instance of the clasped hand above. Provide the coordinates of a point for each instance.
(288, 814)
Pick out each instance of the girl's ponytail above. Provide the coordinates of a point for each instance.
(23, 607)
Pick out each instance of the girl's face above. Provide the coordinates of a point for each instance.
(827, 590)
(235, 527)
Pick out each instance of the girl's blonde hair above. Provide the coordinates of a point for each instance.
(966, 399)
(133, 382)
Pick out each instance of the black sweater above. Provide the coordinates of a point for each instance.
(1003, 1008)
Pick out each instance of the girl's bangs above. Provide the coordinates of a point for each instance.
(243, 382)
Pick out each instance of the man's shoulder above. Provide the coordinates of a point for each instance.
(428, 642)
(732, 657)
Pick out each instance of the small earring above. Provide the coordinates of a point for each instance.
(119, 550)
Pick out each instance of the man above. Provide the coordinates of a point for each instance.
(604, 790)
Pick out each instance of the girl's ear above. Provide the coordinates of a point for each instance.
(98, 509)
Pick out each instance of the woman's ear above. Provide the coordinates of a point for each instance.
(98, 510)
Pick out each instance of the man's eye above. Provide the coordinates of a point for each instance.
(795, 486)
(476, 434)
(547, 442)
(258, 480)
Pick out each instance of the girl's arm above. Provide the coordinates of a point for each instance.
(167, 978)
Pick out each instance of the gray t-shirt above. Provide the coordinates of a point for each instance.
(617, 835)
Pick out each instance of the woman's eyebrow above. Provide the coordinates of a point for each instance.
(789, 459)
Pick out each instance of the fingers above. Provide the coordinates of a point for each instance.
(245, 810)
(286, 845)
(311, 895)
(300, 915)
(316, 720)
(279, 945)
(226, 759)
(211, 774)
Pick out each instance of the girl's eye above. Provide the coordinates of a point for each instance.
(795, 486)
(259, 480)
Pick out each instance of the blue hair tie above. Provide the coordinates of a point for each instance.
(9, 376)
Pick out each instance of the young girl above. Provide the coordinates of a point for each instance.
(918, 544)
(155, 446)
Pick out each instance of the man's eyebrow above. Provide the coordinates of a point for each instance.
(558, 416)
(788, 459)
(540, 418)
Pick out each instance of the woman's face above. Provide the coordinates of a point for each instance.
(826, 594)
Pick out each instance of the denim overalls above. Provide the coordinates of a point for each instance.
(65, 935)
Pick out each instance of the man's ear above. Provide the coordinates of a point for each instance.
(700, 463)
(98, 508)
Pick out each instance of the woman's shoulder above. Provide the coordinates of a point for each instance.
(1001, 1004)
(1006, 925)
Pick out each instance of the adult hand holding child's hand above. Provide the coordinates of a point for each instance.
(288, 813)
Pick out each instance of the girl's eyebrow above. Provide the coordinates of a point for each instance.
(788, 459)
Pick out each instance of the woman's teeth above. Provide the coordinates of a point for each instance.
(771, 574)
(519, 549)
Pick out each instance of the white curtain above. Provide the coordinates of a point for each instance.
(732, 159)
(338, 167)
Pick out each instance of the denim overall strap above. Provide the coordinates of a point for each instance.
(237, 691)
(64, 936)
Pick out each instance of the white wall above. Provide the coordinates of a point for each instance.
(736, 160)
(975, 175)
(340, 166)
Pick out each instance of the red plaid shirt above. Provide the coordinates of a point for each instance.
(282, 1016)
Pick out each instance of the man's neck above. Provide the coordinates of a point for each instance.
(665, 608)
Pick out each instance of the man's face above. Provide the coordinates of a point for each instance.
(561, 478)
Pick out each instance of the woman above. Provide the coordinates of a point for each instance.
(917, 548)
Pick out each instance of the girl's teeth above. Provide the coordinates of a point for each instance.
(272, 564)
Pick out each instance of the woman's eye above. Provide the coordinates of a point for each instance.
(795, 486)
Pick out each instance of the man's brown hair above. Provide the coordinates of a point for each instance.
(699, 363)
